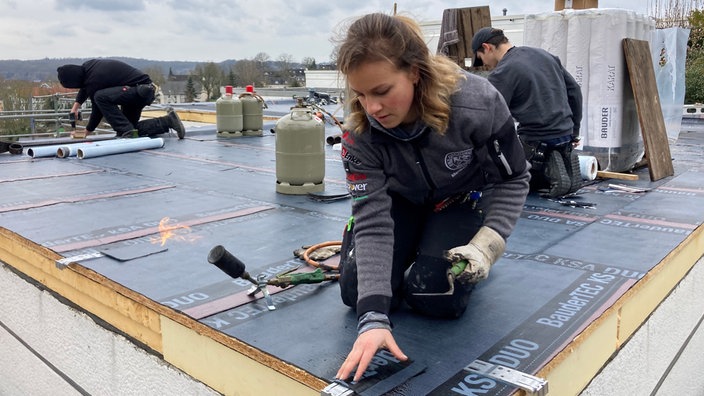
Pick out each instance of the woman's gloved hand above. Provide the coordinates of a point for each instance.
(480, 253)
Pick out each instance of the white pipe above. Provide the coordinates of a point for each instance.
(97, 151)
(50, 150)
(43, 151)
(71, 150)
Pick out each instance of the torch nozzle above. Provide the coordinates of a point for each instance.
(229, 264)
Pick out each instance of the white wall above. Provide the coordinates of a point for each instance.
(652, 352)
(49, 348)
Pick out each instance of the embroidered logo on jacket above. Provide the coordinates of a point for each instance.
(347, 137)
(458, 160)
(346, 155)
(356, 176)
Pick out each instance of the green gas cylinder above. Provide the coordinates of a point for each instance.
(300, 151)
(228, 113)
(252, 112)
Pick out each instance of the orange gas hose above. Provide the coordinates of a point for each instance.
(316, 247)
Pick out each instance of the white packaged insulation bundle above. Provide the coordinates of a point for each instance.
(589, 44)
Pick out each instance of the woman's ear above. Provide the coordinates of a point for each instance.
(414, 75)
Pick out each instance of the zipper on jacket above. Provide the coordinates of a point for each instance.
(502, 158)
(424, 170)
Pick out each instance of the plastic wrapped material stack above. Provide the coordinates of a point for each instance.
(589, 44)
(669, 50)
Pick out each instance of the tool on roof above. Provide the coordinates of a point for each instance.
(231, 265)
(73, 117)
(629, 189)
(575, 204)
(533, 385)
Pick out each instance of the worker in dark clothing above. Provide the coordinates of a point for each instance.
(118, 92)
(546, 102)
(437, 177)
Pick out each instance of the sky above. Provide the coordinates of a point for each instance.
(212, 30)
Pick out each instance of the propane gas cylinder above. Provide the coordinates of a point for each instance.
(300, 151)
(252, 112)
(228, 113)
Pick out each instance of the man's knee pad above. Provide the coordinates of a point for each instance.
(574, 170)
(146, 92)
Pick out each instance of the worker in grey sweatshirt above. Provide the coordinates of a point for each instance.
(544, 99)
(437, 177)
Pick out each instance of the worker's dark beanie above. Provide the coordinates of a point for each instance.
(71, 76)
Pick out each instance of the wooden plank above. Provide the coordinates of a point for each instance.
(652, 123)
(576, 4)
(616, 175)
(481, 17)
(469, 21)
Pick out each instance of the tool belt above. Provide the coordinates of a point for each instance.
(471, 198)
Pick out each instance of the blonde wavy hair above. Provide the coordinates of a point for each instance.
(398, 39)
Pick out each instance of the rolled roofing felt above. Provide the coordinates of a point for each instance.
(70, 150)
(132, 145)
(588, 167)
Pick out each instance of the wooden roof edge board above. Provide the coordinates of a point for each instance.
(209, 356)
(571, 370)
(95, 294)
(131, 313)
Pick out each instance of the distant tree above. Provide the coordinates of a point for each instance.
(333, 58)
(261, 60)
(696, 34)
(249, 72)
(211, 76)
(232, 78)
(190, 94)
(285, 63)
(15, 96)
(694, 68)
(309, 63)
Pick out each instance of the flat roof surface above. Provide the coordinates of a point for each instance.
(563, 267)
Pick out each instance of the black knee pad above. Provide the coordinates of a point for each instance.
(429, 290)
(348, 269)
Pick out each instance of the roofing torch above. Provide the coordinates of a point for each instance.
(231, 265)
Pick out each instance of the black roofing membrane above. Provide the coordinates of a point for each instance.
(224, 189)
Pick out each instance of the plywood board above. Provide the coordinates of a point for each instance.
(652, 123)
(468, 21)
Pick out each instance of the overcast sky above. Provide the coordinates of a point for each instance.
(210, 30)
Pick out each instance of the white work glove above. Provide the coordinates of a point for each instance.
(480, 253)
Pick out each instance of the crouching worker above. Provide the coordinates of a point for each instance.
(118, 92)
(437, 175)
(544, 99)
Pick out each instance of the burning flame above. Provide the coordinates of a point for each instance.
(174, 232)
